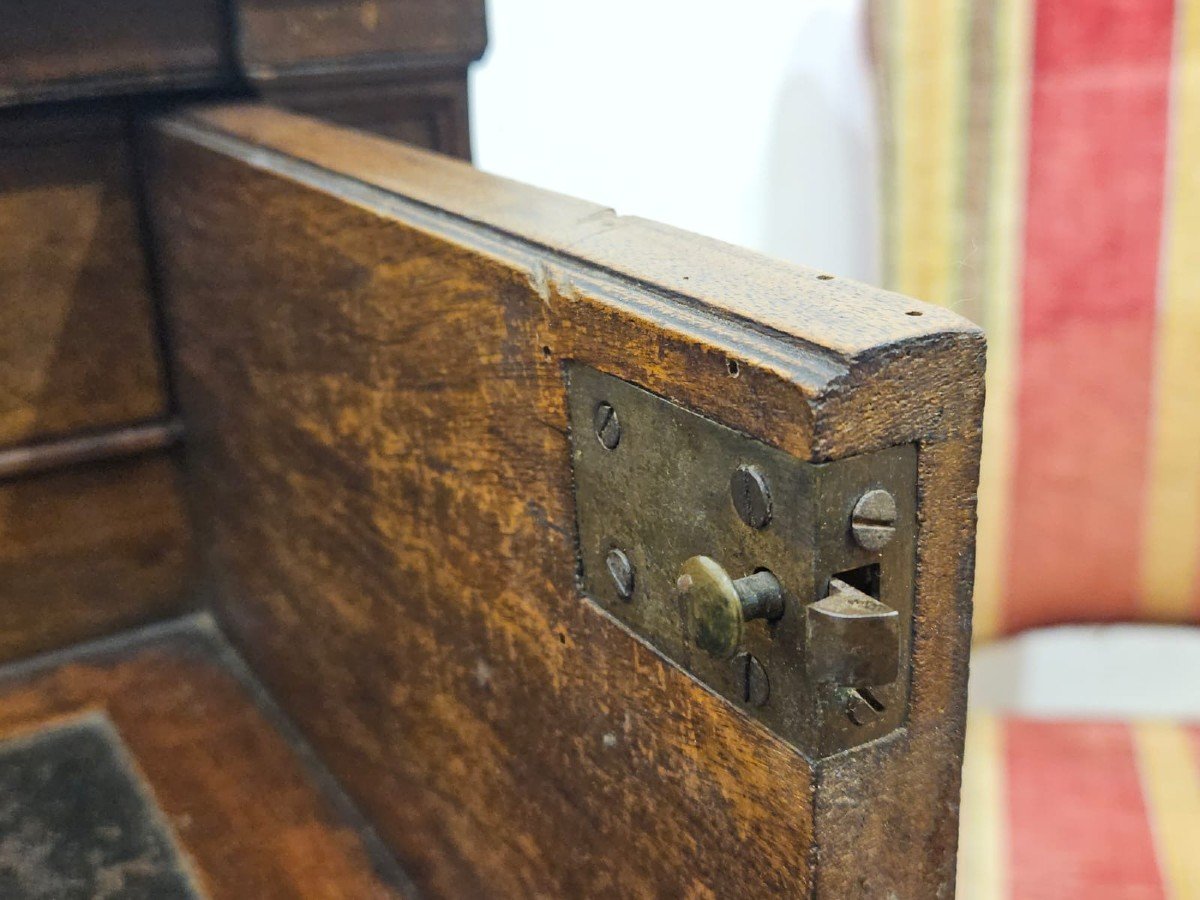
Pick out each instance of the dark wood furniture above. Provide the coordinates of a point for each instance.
(394, 66)
(372, 355)
(92, 548)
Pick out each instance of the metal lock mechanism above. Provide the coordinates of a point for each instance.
(786, 586)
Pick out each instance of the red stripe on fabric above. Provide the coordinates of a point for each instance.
(1094, 208)
(1078, 828)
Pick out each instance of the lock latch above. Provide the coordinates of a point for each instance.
(852, 638)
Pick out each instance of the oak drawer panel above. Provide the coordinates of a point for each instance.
(279, 38)
(89, 550)
(78, 345)
(59, 49)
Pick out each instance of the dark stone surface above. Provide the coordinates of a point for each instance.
(76, 822)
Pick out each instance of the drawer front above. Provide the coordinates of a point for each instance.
(71, 49)
(78, 345)
(89, 550)
(58, 49)
(278, 38)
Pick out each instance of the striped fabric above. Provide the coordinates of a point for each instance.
(1043, 177)
(1080, 811)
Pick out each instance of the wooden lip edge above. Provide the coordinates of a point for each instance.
(116, 443)
(568, 228)
(814, 369)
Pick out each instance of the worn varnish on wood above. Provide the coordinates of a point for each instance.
(370, 358)
(394, 67)
(91, 549)
(70, 49)
(249, 808)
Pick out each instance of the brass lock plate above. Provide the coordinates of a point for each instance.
(655, 487)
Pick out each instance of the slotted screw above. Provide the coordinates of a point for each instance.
(607, 426)
(862, 707)
(621, 570)
(873, 523)
(751, 496)
(756, 687)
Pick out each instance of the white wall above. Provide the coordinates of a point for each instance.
(747, 122)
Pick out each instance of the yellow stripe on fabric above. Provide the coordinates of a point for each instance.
(930, 74)
(982, 836)
(1171, 549)
(1170, 775)
(1002, 303)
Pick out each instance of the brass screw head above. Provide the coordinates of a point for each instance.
(873, 523)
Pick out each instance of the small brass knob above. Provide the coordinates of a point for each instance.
(717, 608)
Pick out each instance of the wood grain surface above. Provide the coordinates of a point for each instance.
(59, 49)
(427, 112)
(370, 357)
(78, 346)
(89, 550)
(278, 39)
(251, 812)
